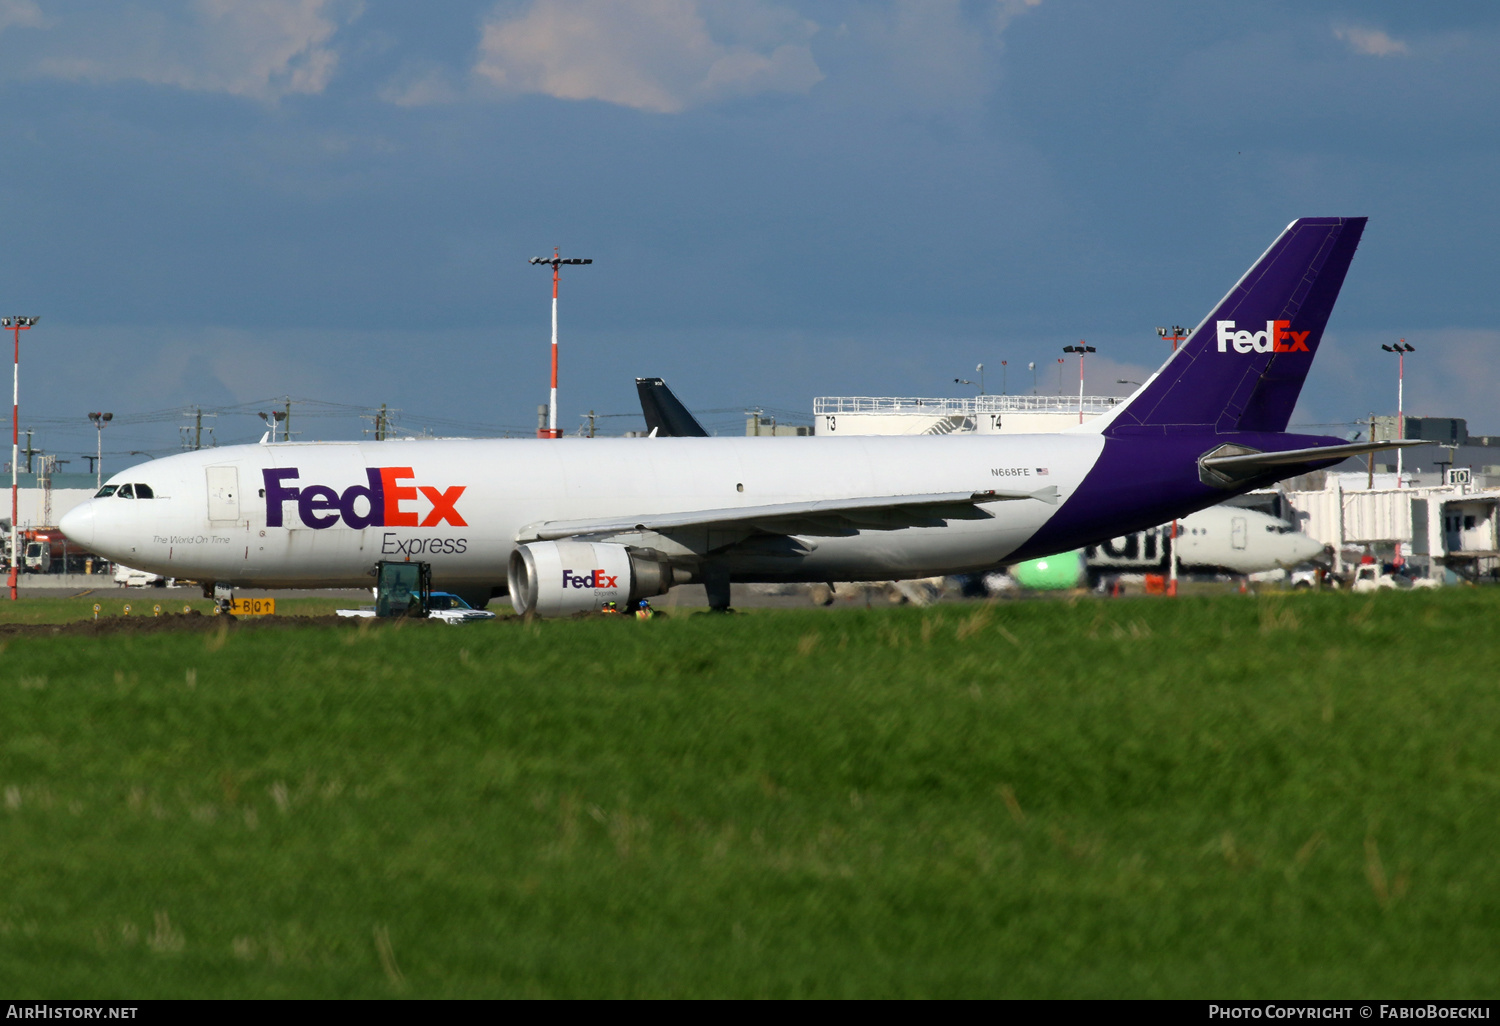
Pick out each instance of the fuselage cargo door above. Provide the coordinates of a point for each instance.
(1237, 532)
(223, 495)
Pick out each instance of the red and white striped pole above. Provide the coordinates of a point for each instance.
(552, 430)
(18, 325)
(552, 400)
(1082, 349)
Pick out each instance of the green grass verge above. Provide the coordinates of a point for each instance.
(1287, 796)
(66, 609)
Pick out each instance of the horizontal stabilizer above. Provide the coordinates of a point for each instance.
(833, 513)
(1234, 463)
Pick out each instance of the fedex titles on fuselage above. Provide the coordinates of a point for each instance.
(383, 501)
(1277, 338)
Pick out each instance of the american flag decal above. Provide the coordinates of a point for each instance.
(1040, 471)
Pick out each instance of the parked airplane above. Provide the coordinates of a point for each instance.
(665, 415)
(1220, 539)
(571, 524)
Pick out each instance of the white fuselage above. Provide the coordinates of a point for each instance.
(1231, 538)
(461, 505)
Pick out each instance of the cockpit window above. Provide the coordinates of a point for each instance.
(126, 492)
(144, 492)
(105, 492)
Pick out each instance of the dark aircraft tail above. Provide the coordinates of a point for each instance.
(666, 417)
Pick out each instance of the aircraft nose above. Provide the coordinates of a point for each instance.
(78, 524)
(1308, 548)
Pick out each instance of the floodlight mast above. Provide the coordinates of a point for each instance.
(18, 325)
(1082, 349)
(552, 430)
(1401, 348)
(100, 420)
(1178, 334)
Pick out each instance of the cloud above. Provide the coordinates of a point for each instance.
(23, 13)
(925, 55)
(420, 85)
(1453, 373)
(1460, 377)
(1372, 42)
(656, 55)
(263, 49)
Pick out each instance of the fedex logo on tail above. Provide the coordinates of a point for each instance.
(592, 579)
(383, 501)
(1277, 338)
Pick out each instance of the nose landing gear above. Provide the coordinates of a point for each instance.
(222, 594)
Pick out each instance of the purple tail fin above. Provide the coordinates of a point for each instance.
(1243, 367)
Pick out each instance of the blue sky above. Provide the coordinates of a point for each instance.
(221, 201)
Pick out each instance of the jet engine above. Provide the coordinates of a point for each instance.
(557, 578)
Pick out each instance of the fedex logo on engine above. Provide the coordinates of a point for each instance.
(383, 501)
(592, 579)
(1277, 338)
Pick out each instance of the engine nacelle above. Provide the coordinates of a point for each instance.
(558, 578)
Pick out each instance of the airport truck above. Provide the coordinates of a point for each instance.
(405, 589)
(45, 550)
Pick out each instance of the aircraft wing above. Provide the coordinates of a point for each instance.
(832, 515)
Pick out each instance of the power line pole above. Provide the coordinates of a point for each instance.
(382, 421)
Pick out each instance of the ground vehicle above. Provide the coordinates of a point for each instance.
(129, 577)
(405, 589)
(38, 554)
(1308, 576)
(402, 589)
(1368, 577)
(1373, 576)
(46, 550)
(451, 608)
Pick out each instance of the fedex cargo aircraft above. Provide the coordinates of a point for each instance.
(567, 525)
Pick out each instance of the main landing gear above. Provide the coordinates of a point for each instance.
(716, 583)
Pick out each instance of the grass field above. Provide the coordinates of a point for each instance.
(145, 603)
(1276, 796)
